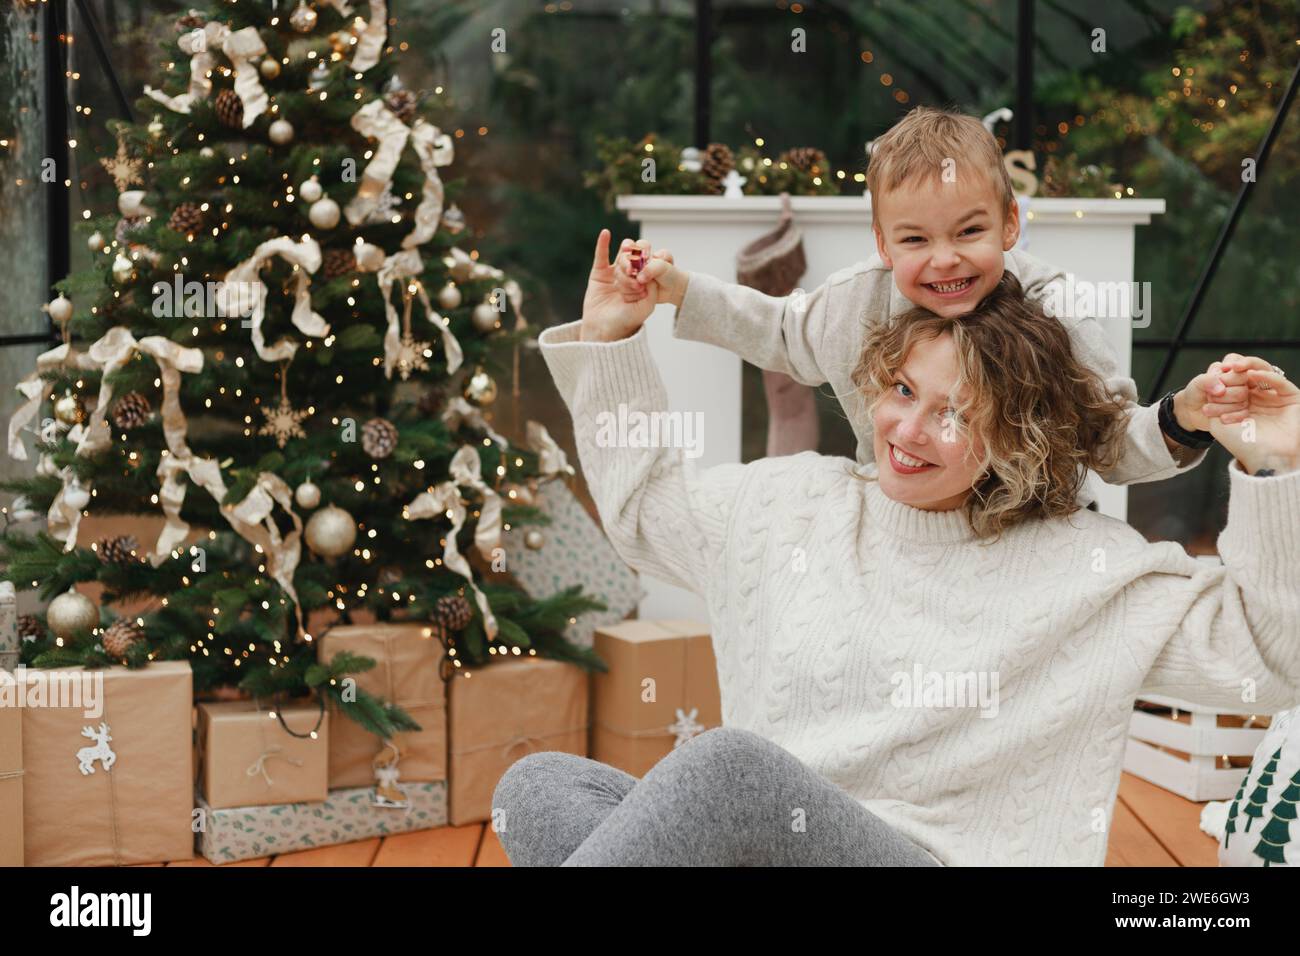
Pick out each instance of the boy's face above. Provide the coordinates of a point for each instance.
(944, 241)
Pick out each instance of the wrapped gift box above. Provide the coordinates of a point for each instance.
(498, 713)
(8, 626)
(11, 774)
(247, 758)
(114, 787)
(406, 674)
(633, 729)
(243, 833)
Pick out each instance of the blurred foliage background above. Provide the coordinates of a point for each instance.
(1182, 93)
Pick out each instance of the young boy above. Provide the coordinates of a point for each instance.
(945, 220)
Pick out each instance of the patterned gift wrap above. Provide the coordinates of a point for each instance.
(245, 833)
(576, 551)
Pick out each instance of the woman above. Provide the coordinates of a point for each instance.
(931, 659)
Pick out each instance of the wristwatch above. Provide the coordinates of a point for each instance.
(1169, 425)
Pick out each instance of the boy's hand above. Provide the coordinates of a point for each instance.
(1265, 434)
(1221, 390)
(639, 273)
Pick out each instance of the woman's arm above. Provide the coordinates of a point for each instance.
(1237, 641)
(664, 515)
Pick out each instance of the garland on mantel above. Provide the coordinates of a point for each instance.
(656, 166)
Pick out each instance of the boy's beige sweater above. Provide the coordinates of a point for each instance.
(822, 343)
(827, 598)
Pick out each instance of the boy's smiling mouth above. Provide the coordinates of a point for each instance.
(951, 287)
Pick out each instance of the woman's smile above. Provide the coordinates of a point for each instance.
(906, 464)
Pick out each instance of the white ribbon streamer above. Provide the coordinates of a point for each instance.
(240, 47)
(459, 411)
(466, 471)
(402, 266)
(444, 501)
(550, 456)
(243, 294)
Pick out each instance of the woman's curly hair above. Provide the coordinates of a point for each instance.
(1040, 414)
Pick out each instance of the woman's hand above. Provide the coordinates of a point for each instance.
(1266, 433)
(1220, 390)
(615, 305)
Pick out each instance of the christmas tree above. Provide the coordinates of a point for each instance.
(281, 344)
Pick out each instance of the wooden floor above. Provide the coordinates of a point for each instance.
(1152, 827)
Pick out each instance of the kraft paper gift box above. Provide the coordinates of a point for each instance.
(11, 776)
(248, 759)
(112, 788)
(8, 626)
(243, 833)
(406, 673)
(633, 729)
(499, 713)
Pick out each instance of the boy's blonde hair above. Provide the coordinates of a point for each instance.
(918, 146)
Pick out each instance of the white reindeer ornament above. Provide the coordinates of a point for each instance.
(102, 752)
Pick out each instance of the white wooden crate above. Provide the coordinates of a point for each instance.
(1199, 777)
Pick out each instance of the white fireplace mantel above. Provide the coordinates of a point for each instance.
(1091, 238)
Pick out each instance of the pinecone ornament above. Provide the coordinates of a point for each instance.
(117, 550)
(186, 218)
(121, 636)
(453, 612)
(378, 437)
(30, 627)
(402, 103)
(338, 262)
(716, 163)
(806, 159)
(131, 411)
(230, 109)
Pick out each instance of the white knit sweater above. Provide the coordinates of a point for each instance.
(828, 599)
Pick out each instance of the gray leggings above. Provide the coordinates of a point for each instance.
(728, 797)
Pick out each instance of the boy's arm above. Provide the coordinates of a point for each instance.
(776, 334)
(1148, 454)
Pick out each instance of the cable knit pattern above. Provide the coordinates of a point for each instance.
(824, 594)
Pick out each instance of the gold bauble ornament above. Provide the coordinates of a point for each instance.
(303, 18)
(449, 296)
(331, 532)
(71, 615)
(269, 68)
(480, 388)
(534, 540)
(485, 317)
(339, 42)
(324, 213)
(68, 410)
(96, 242)
(280, 132)
(307, 495)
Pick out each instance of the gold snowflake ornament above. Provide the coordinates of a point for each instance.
(410, 356)
(282, 422)
(124, 169)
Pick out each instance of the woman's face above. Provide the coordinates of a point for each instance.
(923, 458)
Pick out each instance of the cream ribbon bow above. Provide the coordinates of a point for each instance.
(240, 47)
(402, 266)
(242, 294)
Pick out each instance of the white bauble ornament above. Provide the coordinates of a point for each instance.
(320, 74)
(534, 540)
(131, 204)
(369, 256)
(449, 296)
(71, 615)
(122, 269)
(20, 510)
(280, 132)
(207, 152)
(96, 242)
(60, 309)
(76, 497)
(67, 409)
(330, 532)
(480, 388)
(303, 18)
(156, 127)
(307, 495)
(310, 190)
(485, 317)
(324, 213)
